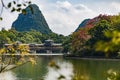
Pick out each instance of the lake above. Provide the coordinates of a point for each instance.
(81, 69)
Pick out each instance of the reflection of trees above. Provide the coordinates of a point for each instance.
(34, 72)
(113, 75)
(93, 69)
(80, 73)
(59, 70)
(8, 76)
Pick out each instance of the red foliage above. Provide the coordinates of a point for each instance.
(92, 22)
(82, 33)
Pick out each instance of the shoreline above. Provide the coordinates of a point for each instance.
(92, 58)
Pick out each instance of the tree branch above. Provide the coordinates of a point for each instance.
(3, 6)
(14, 67)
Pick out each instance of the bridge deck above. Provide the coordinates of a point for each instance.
(40, 54)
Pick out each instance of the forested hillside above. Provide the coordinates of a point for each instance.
(100, 36)
(31, 19)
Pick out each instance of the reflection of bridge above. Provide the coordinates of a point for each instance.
(48, 47)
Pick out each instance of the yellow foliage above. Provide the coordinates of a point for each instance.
(2, 50)
(18, 55)
(106, 49)
(32, 60)
(112, 45)
(116, 37)
(52, 63)
(18, 63)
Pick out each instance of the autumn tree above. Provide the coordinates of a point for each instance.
(111, 46)
(97, 32)
(78, 41)
(14, 55)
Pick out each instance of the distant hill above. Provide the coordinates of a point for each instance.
(83, 23)
(33, 19)
(91, 22)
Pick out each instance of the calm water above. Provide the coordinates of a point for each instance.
(85, 69)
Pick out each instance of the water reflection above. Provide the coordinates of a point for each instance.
(66, 70)
(9, 75)
(93, 69)
(70, 68)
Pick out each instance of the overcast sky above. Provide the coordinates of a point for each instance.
(64, 16)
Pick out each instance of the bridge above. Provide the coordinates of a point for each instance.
(47, 47)
(40, 54)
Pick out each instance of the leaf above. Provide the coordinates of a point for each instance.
(2, 51)
(24, 11)
(18, 63)
(24, 4)
(61, 77)
(14, 2)
(13, 9)
(19, 5)
(1, 18)
(31, 9)
(53, 64)
(32, 61)
(9, 5)
(18, 10)
(29, 2)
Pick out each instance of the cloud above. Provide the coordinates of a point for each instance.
(109, 8)
(68, 7)
(116, 6)
(65, 17)
(8, 19)
(64, 5)
(81, 7)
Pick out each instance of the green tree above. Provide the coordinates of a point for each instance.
(112, 46)
(97, 32)
(4, 39)
(67, 44)
(115, 22)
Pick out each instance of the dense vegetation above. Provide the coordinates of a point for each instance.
(31, 36)
(99, 37)
(32, 19)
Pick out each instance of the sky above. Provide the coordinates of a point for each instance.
(64, 16)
